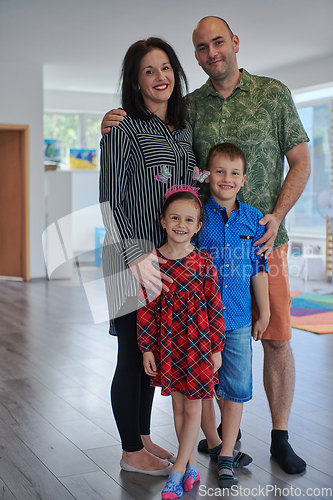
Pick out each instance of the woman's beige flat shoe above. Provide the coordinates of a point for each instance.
(159, 472)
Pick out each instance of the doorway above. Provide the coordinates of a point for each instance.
(14, 201)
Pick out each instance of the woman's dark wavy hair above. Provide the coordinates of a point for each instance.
(132, 100)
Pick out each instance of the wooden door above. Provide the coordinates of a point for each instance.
(14, 202)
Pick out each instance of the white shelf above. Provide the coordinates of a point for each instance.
(73, 213)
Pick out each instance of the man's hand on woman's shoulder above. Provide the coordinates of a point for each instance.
(112, 119)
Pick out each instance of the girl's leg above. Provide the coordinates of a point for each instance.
(187, 414)
(178, 412)
(126, 397)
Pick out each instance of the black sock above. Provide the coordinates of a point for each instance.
(284, 454)
(219, 431)
(214, 452)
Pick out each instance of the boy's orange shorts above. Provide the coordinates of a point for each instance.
(279, 327)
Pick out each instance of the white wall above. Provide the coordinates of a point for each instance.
(304, 74)
(79, 102)
(21, 102)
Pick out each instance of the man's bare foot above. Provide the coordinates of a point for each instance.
(144, 460)
(154, 449)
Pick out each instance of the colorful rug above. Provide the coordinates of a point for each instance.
(312, 312)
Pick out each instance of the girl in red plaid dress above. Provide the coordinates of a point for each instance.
(181, 332)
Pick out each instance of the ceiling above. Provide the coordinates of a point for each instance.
(81, 43)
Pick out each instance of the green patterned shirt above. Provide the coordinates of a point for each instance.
(259, 117)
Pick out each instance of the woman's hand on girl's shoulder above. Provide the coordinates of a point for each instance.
(148, 274)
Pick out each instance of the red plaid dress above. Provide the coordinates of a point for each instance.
(184, 326)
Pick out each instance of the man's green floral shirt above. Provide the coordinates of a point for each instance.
(259, 117)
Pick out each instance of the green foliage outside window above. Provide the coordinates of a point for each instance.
(73, 131)
(92, 133)
(64, 128)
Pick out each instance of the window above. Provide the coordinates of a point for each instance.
(91, 132)
(73, 131)
(307, 216)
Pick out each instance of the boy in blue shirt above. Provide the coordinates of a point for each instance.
(228, 234)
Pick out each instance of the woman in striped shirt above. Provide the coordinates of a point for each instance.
(149, 151)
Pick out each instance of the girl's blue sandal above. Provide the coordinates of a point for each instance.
(190, 477)
(174, 486)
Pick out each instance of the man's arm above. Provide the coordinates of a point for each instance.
(292, 188)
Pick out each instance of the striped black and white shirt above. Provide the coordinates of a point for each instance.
(132, 154)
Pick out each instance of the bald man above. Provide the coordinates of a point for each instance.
(258, 115)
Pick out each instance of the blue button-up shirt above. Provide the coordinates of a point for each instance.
(230, 243)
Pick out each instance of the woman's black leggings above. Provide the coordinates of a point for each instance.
(131, 393)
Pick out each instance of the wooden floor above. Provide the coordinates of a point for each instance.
(58, 439)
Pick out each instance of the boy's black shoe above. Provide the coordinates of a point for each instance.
(203, 446)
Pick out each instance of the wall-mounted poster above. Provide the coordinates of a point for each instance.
(82, 158)
(296, 249)
(51, 150)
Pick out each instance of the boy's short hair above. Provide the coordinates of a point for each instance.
(226, 149)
